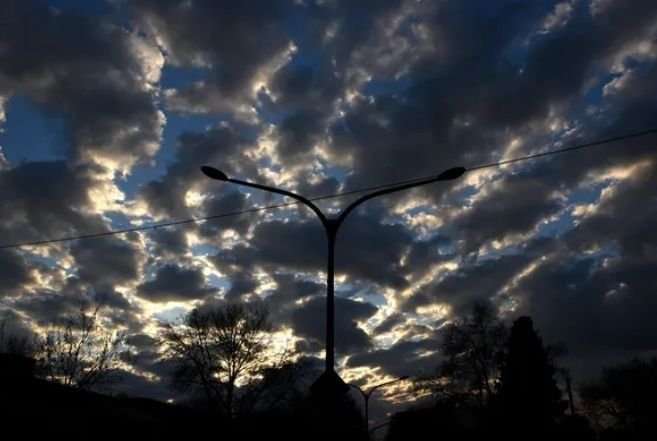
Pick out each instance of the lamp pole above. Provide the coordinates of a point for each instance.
(331, 227)
(366, 398)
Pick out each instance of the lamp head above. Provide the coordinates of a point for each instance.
(214, 173)
(452, 173)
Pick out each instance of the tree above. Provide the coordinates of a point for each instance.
(217, 349)
(528, 393)
(624, 400)
(77, 351)
(472, 348)
(14, 339)
(280, 385)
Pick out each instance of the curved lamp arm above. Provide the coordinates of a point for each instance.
(373, 388)
(387, 383)
(379, 425)
(447, 175)
(215, 174)
(362, 392)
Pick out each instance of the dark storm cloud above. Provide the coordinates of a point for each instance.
(101, 293)
(309, 321)
(229, 201)
(433, 250)
(134, 385)
(45, 306)
(513, 205)
(323, 187)
(231, 41)
(366, 248)
(241, 284)
(141, 341)
(469, 284)
(603, 301)
(289, 289)
(402, 358)
(147, 359)
(13, 327)
(555, 73)
(14, 272)
(46, 199)
(108, 260)
(299, 133)
(600, 314)
(114, 309)
(389, 323)
(175, 283)
(87, 70)
(223, 146)
(307, 95)
(413, 131)
(554, 70)
(168, 242)
(295, 287)
(304, 86)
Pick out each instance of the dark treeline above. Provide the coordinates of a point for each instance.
(503, 382)
(495, 379)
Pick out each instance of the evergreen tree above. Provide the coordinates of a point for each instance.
(529, 397)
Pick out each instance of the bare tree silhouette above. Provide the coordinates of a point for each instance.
(217, 349)
(14, 341)
(472, 347)
(623, 401)
(77, 351)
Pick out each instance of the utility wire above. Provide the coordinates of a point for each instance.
(566, 149)
(319, 198)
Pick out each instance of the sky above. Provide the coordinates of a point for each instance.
(109, 108)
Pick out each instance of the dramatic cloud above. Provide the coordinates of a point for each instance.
(223, 145)
(232, 43)
(95, 74)
(14, 271)
(46, 199)
(321, 97)
(309, 321)
(366, 249)
(470, 284)
(46, 307)
(111, 261)
(598, 284)
(403, 358)
(172, 283)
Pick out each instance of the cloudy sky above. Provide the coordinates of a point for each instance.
(107, 110)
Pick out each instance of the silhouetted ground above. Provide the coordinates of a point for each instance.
(35, 407)
(31, 408)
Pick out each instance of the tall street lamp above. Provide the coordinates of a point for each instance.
(330, 380)
(368, 394)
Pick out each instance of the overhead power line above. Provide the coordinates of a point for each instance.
(319, 198)
(566, 149)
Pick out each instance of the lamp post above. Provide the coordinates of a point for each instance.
(368, 394)
(329, 378)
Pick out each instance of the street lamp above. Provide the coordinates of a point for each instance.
(329, 378)
(368, 394)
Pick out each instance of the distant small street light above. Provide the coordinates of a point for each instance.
(368, 394)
